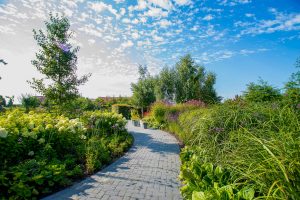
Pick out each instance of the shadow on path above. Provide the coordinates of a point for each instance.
(149, 170)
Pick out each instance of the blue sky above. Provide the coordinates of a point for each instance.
(239, 40)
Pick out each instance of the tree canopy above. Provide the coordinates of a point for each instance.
(57, 61)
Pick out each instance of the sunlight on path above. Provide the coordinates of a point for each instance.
(148, 171)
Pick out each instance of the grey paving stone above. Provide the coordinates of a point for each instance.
(149, 170)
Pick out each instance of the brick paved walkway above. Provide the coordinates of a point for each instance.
(149, 170)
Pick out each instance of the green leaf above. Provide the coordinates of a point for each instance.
(246, 193)
(198, 196)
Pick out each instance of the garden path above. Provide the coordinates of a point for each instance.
(149, 170)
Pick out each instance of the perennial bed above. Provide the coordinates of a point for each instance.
(235, 150)
(41, 152)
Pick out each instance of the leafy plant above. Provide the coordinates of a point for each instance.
(42, 152)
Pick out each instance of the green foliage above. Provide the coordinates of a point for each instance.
(81, 104)
(158, 111)
(56, 60)
(254, 145)
(103, 122)
(10, 102)
(261, 92)
(123, 109)
(192, 82)
(42, 152)
(203, 180)
(292, 88)
(165, 85)
(2, 101)
(107, 102)
(29, 102)
(96, 154)
(162, 115)
(134, 113)
(143, 91)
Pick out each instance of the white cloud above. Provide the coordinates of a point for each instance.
(135, 21)
(165, 4)
(282, 22)
(147, 42)
(178, 30)
(156, 12)
(142, 5)
(164, 23)
(122, 11)
(126, 20)
(90, 29)
(119, 1)
(183, 2)
(100, 7)
(195, 28)
(208, 17)
(83, 17)
(233, 2)
(127, 44)
(143, 20)
(135, 35)
(8, 29)
(249, 15)
(158, 38)
(70, 3)
(91, 41)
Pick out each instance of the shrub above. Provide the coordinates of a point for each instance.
(96, 154)
(123, 109)
(103, 123)
(84, 104)
(42, 152)
(261, 92)
(158, 111)
(135, 114)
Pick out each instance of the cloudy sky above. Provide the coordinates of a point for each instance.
(239, 40)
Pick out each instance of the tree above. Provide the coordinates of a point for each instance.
(57, 61)
(10, 102)
(292, 88)
(29, 101)
(164, 87)
(143, 91)
(261, 92)
(2, 102)
(4, 63)
(192, 82)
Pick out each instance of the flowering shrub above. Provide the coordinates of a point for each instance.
(104, 122)
(42, 152)
(195, 103)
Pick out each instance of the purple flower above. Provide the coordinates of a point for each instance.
(173, 116)
(64, 47)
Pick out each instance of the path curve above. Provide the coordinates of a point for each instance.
(149, 170)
